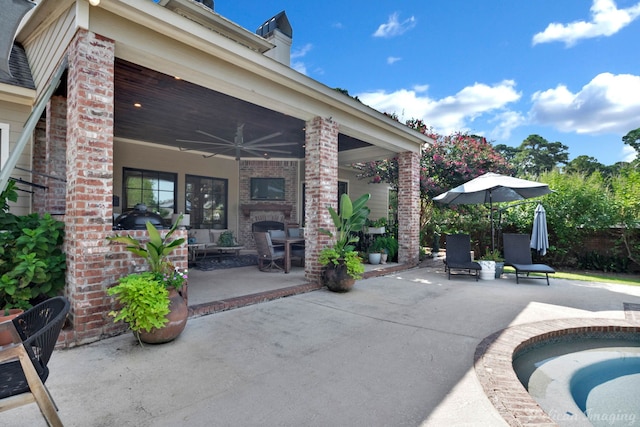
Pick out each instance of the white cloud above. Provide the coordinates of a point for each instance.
(607, 104)
(301, 52)
(449, 114)
(392, 60)
(629, 153)
(393, 27)
(507, 122)
(606, 20)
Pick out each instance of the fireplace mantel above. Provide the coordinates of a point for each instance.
(266, 207)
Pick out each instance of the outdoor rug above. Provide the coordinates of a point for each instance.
(218, 263)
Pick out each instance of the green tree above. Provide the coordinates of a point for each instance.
(586, 165)
(509, 153)
(626, 195)
(537, 155)
(632, 138)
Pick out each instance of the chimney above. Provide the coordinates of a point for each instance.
(277, 30)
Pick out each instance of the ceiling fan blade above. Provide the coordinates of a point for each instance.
(214, 137)
(255, 141)
(275, 144)
(190, 141)
(221, 152)
(255, 153)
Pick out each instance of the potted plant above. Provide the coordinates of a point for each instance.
(343, 265)
(489, 262)
(377, 226)
(152, 303)
(376, 250)
(389, 247)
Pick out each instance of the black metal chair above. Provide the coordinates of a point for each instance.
(23, 364)
(459, 255)
(517, 254)
(266, 252)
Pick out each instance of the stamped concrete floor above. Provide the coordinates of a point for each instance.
(396, 351)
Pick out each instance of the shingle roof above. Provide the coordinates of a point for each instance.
(20, 71)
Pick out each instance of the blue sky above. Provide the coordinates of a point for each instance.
(567, 70)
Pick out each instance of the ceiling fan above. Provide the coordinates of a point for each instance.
(256, 147)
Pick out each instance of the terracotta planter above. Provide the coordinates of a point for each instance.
(178, 314)
(5, 336)
(336, 279)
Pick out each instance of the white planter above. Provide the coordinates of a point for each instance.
(488, 271)
(374, 258)
(375, 230)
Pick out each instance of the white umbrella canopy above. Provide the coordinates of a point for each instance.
(539, 234)
(492, 187)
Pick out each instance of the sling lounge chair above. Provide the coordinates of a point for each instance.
(459, 255)
(517, 254)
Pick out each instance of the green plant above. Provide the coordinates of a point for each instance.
(155, 251)
(492, 255)
(388, 244)
(226, 239)
(351, 259)
(32, 264)
(380, 222)
(144, 302)
(349, 221)
(378, 245)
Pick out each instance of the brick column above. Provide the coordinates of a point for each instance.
(409, 208)
(89, 183)
(321, 183)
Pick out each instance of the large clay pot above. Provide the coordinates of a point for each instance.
(336, 279)
(5, 336)
(178, 314)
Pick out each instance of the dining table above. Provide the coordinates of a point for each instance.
(287, 242)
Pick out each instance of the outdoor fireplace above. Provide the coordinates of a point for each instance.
(263, 226)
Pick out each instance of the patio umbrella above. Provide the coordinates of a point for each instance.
(492, 187)
(539, 235)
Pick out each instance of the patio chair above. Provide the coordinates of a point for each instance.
(297, 249)
(517, 254)
(266, 252)
(459, 255)
(277, 234)
(23, 364)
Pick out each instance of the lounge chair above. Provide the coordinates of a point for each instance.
(459, 255)
(517, 254)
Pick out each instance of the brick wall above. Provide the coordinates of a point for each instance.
(409, 208)
(266, 169)
(321, 178)
(49, 159)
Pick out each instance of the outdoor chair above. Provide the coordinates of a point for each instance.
(266, 253)
(459, 255)
(23, 364)
(517, 254)
(277, 234)
(297, 249)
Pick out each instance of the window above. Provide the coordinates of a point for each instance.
(343, 188)
(206, 201)
(155, 189)
(267, 188)
(4, 144)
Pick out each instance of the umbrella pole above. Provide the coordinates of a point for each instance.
(493, 243)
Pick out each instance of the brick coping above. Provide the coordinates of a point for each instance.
(493, 361)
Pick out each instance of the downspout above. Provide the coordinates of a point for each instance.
(29, 126)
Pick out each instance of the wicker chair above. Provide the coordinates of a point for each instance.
(459, 255)
(23, 364)
(266, 252)
(517, 254)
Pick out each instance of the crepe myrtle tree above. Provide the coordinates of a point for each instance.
(448, 162)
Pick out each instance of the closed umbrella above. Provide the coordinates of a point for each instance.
(492, 187)
(539, 235)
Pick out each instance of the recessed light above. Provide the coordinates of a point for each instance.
(137, 105)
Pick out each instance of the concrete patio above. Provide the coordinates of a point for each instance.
(396, 351)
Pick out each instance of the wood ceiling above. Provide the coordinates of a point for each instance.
(172, 109)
